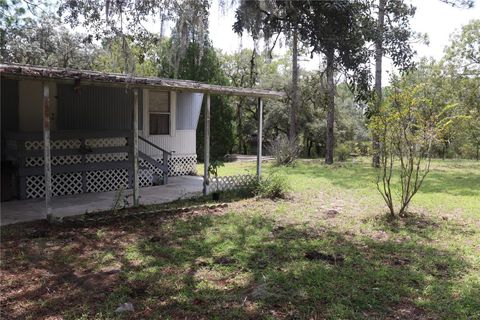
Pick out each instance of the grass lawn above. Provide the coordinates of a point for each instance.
(327, 252)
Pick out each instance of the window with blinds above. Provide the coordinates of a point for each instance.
(159, 112)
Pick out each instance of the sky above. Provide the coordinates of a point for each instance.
(436, 19)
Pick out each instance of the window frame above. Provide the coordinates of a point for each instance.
(149, 112)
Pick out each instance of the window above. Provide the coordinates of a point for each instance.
(159, 112)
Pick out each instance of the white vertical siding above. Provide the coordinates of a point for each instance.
(188, 110)
(181, 142)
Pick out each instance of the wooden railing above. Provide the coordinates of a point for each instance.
(78, 152)
(72, 151)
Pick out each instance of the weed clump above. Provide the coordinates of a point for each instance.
(273, 187)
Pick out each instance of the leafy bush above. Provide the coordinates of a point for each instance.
(342, 152)
(285, 151)
(213, 167)
(363, 148)
(273, 187)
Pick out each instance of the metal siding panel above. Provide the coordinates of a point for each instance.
(188, 110)
(184, 142)
(9, 109)
(94, 108)
(9, 105)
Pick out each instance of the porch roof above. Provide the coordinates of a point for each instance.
(95, 77)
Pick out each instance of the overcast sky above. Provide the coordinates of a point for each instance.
(434, 18)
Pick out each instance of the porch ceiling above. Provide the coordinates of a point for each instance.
(94, 77)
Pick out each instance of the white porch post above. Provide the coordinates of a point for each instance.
(260, 138)
(136, 189)
(46, 148)
(206, 146)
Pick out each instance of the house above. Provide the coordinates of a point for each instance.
(67, 131)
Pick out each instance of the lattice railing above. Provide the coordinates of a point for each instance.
(228, 183)
(82, 161)
(86, 162)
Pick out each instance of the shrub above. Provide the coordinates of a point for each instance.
(408, 124)
(364, 148)
(272, 187)
(284, 151)
(342, 152)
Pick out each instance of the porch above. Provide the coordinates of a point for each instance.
(70, 205)
(73, 138)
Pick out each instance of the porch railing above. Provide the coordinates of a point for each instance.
(82, 161)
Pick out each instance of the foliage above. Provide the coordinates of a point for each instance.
(206, 67)
(43, 40)
(284, 150)
(213, 167)
(274, 186)
(121, 19)
(408, 124)
(342, 152)
(464, 51)
(269, 19)
(271, 74)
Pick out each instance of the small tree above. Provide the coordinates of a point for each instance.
(407, 125)
(285, 151)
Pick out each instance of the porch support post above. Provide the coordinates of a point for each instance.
(136, 189)
(260, 138)
(206, 146)
(46, 151)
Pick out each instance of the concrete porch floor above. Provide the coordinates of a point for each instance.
(17, 211)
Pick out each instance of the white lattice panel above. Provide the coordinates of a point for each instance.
(62, 184)
(66, 144)
(35, 187)
(106, 157)
(231, 182)
(106, 142)
(34, 145)
(106, 180)
(182, 165)
(33, 161)
(100, 180)
(55, 144)
(56, 160)
(145, 178)
(67, 183)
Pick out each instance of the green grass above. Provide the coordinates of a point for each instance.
(248, 261)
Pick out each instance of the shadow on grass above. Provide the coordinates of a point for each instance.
(462, 184)
(228, 266)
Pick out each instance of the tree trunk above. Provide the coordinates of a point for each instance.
(309, 148)
(378, 76)
(330, 106)
(295, 94)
